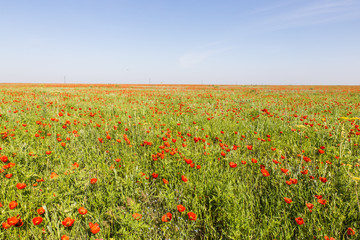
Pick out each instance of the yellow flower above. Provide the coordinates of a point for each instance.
(356, 178)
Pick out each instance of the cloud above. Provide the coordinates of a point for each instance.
(296, 15)
(191, 59)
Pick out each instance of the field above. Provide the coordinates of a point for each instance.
(179, 162)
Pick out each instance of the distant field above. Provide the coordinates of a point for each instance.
(179, 162)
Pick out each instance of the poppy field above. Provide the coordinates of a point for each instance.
(179, 162)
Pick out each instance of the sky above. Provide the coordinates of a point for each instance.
(268, 42)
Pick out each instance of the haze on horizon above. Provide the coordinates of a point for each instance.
(296, 42)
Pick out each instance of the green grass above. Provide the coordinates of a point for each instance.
(230, 203)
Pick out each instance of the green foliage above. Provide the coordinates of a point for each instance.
(121, 136)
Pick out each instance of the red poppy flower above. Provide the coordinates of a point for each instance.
(12, 221)
(327, 238)
(94, 228)
(167, 217)
(180, 208)
(64, 237)
(324, 180)
(350, 231)
(249, 147)
(299, 220)
(68, 222)
(310, 206)
(41, 211)
(318, 196)
(9, 175)
(265, 173)
(294, 181)
(4, 159)
(82, 210)
(37, 220)
(165, 181)
(183, 178)
(232, 164)
(287, 200)
(321, 151)
(321, 201)
(5, 225)
(192, 216)
(21, 185)
(154, 175)
(137, 216)
(13, 204)
(93, 180)
(53, 175)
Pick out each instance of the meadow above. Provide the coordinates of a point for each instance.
(179, 162)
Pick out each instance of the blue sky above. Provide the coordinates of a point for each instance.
(189, 42)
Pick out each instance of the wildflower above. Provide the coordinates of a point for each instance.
(324, 180)
(12, 221)
(53, 175)
(94, 228)
(183, 178)
(82, 210)
(21, 185)
(9, 175)
(327, 238)
(232, 164)
(137, 216)
(167, 217)
(192, 216)
(299, 220)
(68, 222)
(41, 211)
(310, 206)
(287, 200)
(180, 208)
(93, 180)
(37, 220)
(265, 173)
(5, 225)
(294, 181)
(13, 204)
(64, 237)
(350, 231)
